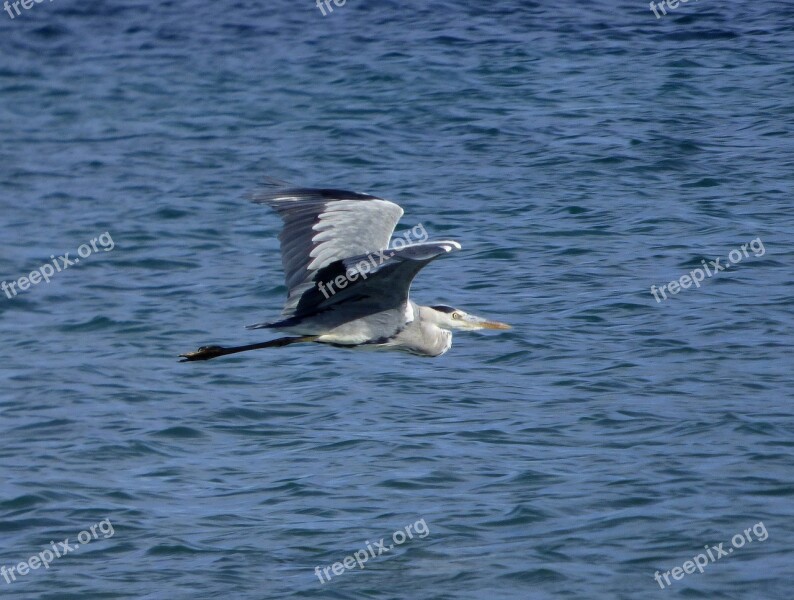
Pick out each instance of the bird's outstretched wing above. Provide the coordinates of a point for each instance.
(322, 226)
(373, 282)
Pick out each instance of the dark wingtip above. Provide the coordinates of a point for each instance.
(269, 193)
(267, 187)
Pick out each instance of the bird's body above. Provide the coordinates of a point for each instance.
(347, 286)
(411, 330)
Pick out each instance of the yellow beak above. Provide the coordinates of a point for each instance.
(474, 322)
(494, 325)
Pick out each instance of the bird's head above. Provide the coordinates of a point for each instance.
(447, 317)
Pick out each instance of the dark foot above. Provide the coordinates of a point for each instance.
(203, 353)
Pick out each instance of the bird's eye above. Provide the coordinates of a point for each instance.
(456, 315)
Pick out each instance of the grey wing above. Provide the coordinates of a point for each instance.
(322, 226)
(383, 286)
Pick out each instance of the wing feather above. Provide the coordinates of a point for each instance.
(322, 226)
(383, 287)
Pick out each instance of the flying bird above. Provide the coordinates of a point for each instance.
(347, 285)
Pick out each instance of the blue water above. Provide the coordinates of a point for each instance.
(580, 152)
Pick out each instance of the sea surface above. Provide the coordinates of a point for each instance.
(581, 153)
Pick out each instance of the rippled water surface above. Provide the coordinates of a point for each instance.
(580, 153)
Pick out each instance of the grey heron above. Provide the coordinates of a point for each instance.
(346, 285)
